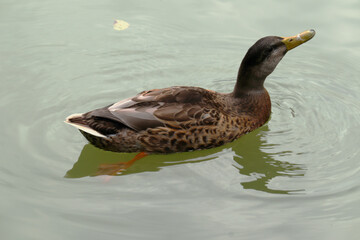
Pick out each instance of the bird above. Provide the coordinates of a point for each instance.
(187, 118)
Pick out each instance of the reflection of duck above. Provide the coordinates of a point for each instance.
(178, 119)
(249, 158)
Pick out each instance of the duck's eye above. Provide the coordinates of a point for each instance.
(269, 50)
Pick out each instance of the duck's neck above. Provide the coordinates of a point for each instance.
(252, 97)
(248, 81)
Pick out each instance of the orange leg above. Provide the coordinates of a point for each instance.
(114, 169)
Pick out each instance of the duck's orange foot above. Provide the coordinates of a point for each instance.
(111, 169)
(115, 168)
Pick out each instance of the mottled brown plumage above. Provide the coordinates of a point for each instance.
(178, 119)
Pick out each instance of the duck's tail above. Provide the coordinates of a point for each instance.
(77, 120)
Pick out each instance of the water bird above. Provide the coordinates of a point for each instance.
(185, 118)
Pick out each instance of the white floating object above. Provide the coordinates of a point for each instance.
(120, 25)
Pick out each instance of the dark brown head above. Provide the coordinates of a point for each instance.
(263, 57)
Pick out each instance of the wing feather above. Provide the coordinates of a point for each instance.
(176, 106)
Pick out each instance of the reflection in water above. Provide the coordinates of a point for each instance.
(248, 155)
(261, 165)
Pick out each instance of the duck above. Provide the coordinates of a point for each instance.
(187, 118)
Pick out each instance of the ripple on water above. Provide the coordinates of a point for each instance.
(316, 117)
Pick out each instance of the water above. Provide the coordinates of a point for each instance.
(294, 178)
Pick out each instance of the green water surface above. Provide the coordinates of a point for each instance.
(297, 177)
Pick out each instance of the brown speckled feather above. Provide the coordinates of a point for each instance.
(172, 120)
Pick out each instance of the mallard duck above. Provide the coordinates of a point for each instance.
(178, 119)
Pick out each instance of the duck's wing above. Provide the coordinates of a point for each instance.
(177, 107)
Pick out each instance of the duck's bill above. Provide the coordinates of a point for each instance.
(294, 41)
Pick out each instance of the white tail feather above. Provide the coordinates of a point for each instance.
(83, 127)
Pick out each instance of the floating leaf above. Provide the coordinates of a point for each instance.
(120, 25)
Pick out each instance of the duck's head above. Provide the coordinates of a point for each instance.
(263, 57)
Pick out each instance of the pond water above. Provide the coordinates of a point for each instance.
(297, 177)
